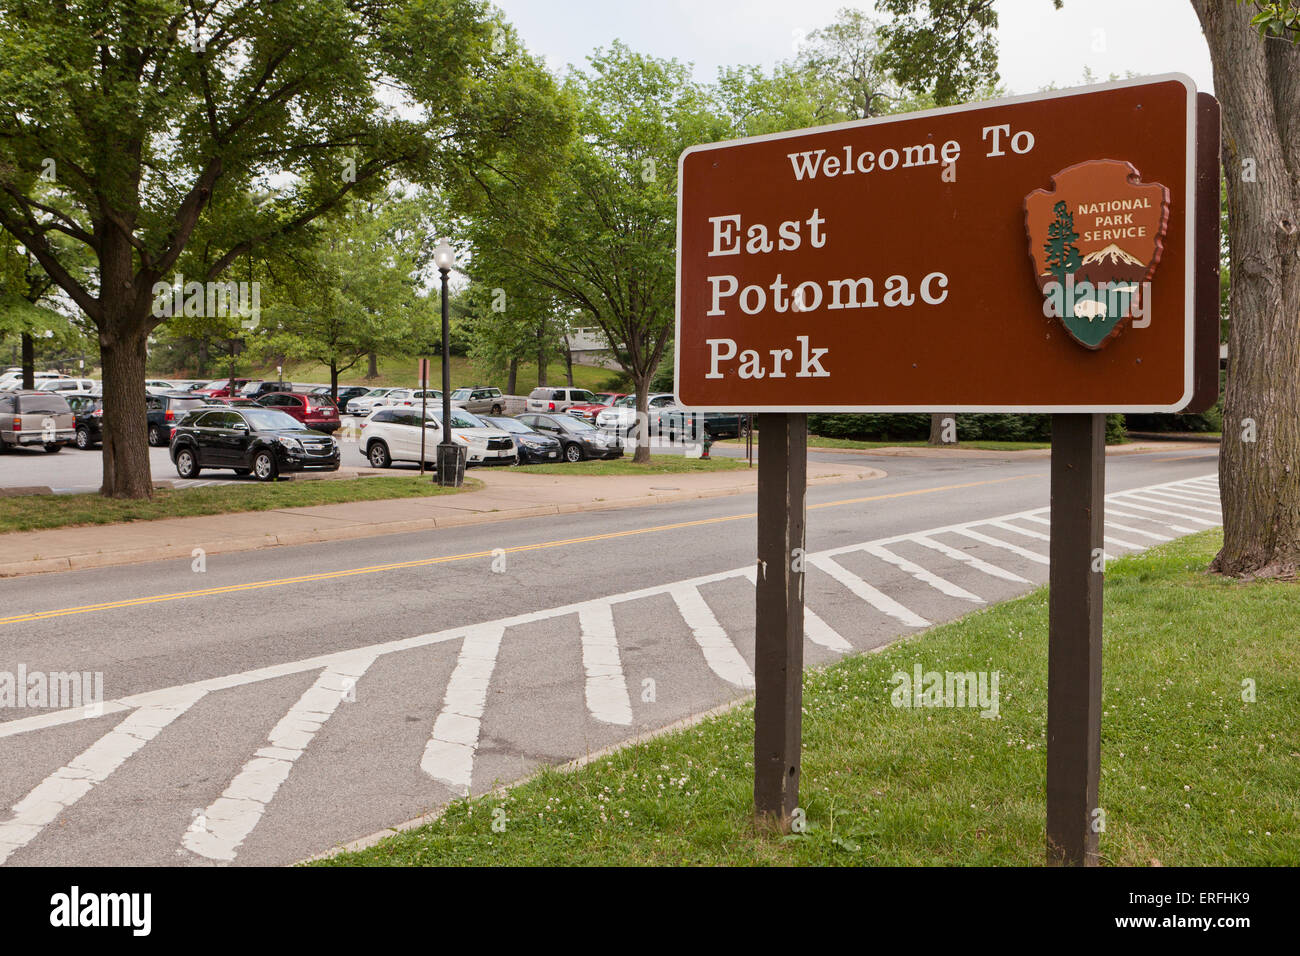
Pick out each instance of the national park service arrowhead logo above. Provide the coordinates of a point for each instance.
(1095, 239)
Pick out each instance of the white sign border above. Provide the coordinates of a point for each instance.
(1189, 255)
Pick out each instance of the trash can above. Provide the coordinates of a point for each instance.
(451, 465)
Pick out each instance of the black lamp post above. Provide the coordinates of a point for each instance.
(451, 463)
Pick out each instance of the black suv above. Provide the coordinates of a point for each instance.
(165, 410)
(258, 441)
(89, 417)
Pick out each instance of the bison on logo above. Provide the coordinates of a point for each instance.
(1095, 238)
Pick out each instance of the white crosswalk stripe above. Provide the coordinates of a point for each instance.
(957, 555)
(878, 599)
(452, 746)
(719, 652)
(449, 755)
(607, 698)
(921, 574)
(73, 781)
(225, 824)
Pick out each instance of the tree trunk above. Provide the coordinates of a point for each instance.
(936, 426)
(568, 366)
(642, 455)
(1258, 84)
(372, 368)
(334, 382)
(126, 445)
(512, 376)
(541, 365)
(203, 360)
(29, 361)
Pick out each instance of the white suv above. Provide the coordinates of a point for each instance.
(547, 399)
(393, 434)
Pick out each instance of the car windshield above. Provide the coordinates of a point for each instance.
(377, 392)
(509, 424)
(459, 419)
(461, 393)
(577, 425)
(42, 404)
(627, 401)
(218, 384)
(268, 419)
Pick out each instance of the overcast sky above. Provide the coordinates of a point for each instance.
(1039, 45)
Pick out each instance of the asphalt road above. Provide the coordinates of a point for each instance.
(277, 703)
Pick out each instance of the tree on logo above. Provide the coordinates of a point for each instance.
(1062, 257)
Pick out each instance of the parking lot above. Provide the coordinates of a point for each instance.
(71, 471)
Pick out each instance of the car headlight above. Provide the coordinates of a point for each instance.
(290, 443)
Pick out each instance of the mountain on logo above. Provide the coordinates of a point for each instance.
(1115, 255)
(1110, 264)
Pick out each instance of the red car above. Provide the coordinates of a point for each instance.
(221, 388)
(314, 411)
(588, 413)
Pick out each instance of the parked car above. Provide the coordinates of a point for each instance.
(221, 388)
(480, 400)
(548, 399)
(364, 405)
(155, 385)
(346, 394)
(589, 411)
(165, 410)
(393, 434)
(263, 442)
(88, 420)
(12, 379)
(580, 440)
(620, 417)
(531, 446)
(313, 411)
(81, 386)
(35, 418)
(256, 390)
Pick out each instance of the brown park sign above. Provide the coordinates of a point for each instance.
(1030, 254)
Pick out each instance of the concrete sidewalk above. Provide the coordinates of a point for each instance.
(506, 495)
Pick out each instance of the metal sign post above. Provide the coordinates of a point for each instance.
(1074, 638)
(778, 612)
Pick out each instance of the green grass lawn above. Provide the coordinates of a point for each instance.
(659, 465)
(400, 372)
(1191, 774)
(36, 512)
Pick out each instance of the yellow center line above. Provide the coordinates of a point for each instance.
(426, 562)
(1197, 457)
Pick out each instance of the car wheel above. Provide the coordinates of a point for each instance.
(496, 409)
(83, 438)
(187, 466)
(378, 455)
(572, 453)
(156, 436)
(53, 448)
(264, 467)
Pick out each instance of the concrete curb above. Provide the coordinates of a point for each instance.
(103, 559)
